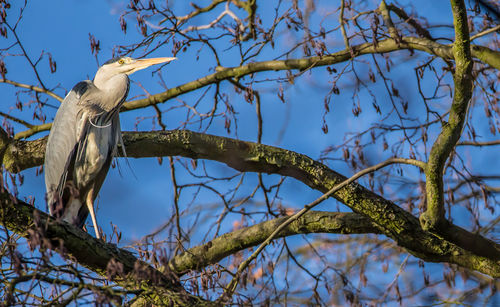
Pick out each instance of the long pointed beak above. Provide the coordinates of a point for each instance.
(145, 63)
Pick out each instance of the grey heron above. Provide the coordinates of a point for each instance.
(84, 138)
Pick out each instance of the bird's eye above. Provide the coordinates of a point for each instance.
(121, 61)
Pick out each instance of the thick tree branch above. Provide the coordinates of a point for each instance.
(312, 222)
(388, 21)
(18, 155)
(454, 244)
(231, 287)
(96, 255)
(484, 54)
(433, 218)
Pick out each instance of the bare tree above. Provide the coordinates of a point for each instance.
(409, 110)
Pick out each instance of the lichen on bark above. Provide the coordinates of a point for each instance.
(434, 217)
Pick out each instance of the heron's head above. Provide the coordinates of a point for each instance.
(126, 65)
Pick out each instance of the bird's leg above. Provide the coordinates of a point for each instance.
(90, 205)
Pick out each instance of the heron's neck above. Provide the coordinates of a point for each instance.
(113, 90)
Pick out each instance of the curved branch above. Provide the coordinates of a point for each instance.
(227, 244)
(197, 11)
(459, 246)
(454, 245)
(412, 22)
(231, 287)
(433, 218)
(484, 54)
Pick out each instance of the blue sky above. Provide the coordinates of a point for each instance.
(62, 28)
(63, 31)
(139, 197)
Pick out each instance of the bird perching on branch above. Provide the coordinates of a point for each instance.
(84, 139)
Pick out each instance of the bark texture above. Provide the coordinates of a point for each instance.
(452, 244)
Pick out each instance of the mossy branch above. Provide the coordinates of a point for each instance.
(484, 54)
(434, 216)
(227, 244)
(384, 11)
(454, 245)
(96, 255)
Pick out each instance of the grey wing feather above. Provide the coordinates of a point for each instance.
(62, 140)
(87, 166)
(81, 145)
(96, 148)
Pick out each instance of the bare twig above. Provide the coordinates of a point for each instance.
(485, 32)
(231, 287)
(469, 143)
(342, 25)
(33, 88)
(17, 120)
